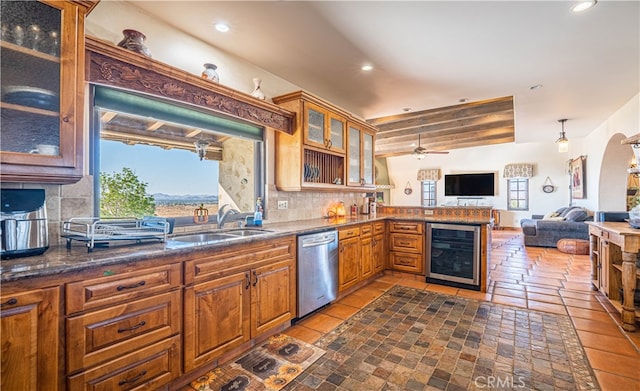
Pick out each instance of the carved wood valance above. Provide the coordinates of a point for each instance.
(111, 65)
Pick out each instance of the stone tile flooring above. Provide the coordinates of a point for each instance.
(539, 279)
(412, 339)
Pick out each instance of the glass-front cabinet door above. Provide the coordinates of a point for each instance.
(367, 158)
(324, 129)
(354, 177)
(360, 156)
(40, 104)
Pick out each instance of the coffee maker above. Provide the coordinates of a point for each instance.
(23, 223)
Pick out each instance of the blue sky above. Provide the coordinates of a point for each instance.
(172, 171)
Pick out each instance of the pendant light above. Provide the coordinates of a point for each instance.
(563, 141)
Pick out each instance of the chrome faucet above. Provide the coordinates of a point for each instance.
(229, 214)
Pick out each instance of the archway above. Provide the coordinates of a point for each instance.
(612, 189)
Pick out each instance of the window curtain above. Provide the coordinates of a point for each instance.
(429, 174)
(518, 170)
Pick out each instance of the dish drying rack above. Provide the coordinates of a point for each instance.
(95, 230)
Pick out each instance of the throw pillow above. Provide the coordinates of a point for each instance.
(556, 218)
(576, 214)
(550, 215)
(561, 210)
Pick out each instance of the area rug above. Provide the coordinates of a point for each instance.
(411, 339)
(269, 366)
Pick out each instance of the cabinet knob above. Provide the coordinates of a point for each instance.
(328, 143)
(65, 119)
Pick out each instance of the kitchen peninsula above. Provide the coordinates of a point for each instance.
(163, 294)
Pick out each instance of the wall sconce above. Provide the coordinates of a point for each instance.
(201, 148)
(563, 141)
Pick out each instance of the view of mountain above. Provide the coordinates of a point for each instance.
(162, 198)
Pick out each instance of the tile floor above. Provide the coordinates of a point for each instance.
(535, 278)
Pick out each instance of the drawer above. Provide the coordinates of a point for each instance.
(406, 243)
(119, 288)
(102, 335)
(414, 227)
(148, 368)
(408, 262)
(238, 258)
(378, 228)
(366, 230)
(347, 233)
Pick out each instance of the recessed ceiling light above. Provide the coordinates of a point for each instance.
(222, 27)
(367, 67)
(406, 109)
(535, 87)
(583, 5)
(463, 100)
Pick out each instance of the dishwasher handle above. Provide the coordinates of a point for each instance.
(321, 241)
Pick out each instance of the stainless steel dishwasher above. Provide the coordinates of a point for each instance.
(317, 270)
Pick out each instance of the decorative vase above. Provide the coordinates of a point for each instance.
(210, 73)
(634, 217)
(257, 92)
(134, 40)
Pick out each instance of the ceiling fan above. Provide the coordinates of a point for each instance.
(422, 152)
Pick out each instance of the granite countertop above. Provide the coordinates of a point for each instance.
(58, 259)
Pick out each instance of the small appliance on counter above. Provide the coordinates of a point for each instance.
(23, 223)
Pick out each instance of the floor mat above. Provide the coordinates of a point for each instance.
(270, 366)
(411, 339)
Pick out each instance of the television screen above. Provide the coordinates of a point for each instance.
(469, 185)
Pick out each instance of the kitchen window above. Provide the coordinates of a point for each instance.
(186, 156)
(518, 194)
(429, 193)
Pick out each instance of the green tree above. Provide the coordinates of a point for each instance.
(123, 194)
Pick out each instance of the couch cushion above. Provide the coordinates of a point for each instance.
(576, 214)
(528, 226)
(560, 210)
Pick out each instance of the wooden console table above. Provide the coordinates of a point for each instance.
(614, 248)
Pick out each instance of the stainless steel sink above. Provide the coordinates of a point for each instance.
(220, 236)
(204, 238)
(247, 231)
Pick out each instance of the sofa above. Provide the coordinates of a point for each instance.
(564, 223)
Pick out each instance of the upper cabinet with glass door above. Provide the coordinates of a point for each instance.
(323, 128)
(322, 154)
(360, 155)
(41, 72)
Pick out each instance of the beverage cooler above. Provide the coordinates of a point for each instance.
(453, 255)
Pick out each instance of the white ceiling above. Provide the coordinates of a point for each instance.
(430, 54)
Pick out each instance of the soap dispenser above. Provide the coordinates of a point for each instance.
(257, 216)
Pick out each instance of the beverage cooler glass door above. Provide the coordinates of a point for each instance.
(453, 255)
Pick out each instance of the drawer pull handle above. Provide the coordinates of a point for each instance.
(133, 379)
(404, 243)
(246, 275)
(255, 281)
(11, 301)
(137, 285)
(132, 327)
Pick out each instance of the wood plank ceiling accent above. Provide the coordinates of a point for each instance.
(466, 125)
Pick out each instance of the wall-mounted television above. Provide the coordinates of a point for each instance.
(469, 185)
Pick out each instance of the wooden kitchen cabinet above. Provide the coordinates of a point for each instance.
(236, 295)
(124, 328)
(366, 251)
(348, 257)
(379, 246)
(360, 156)
(30, 340)
(406, 246)
(43, 91)
(313, 157)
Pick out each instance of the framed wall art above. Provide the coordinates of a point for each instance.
(578, 174)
